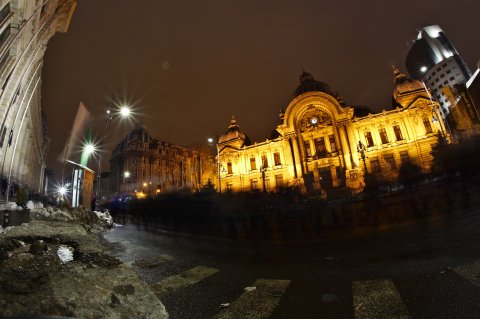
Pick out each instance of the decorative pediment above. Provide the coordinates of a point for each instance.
(314, 119)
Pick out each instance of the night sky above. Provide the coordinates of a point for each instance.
(187, 66)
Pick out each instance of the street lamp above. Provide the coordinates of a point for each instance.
(125, 112)
(126, 175)
(361, 149)
(210, 141)
(263, 169)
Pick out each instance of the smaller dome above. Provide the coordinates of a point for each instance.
(233, 132)
(405, 85)
(309, 84)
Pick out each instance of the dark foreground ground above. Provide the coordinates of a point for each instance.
(404, 256)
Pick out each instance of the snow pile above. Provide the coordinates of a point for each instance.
(32, 205)
(10, 206)
(105, 217)
(49, 213)
(65, 253)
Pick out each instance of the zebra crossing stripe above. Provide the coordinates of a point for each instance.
(470, 272)
(377, 299)
(184, 279)
(258, 302)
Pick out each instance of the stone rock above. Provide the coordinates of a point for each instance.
(38, 247)
(40, 285)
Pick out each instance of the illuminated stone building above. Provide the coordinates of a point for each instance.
(320, 140)
(26, 26)
(147, 165)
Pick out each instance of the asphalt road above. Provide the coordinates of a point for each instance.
(425, 269)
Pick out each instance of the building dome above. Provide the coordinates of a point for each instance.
(405, 85)
(233, 133)
(309, 84)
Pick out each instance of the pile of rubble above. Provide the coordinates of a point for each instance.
(55, 265)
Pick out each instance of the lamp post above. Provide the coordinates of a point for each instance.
(126, 175)
(361, 149)
(210, 141)
(124, 112)
(263, 170)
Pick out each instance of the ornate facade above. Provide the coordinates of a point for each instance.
(145, 165)
(26, 26)
(320, 141)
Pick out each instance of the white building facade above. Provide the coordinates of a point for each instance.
(26, 26)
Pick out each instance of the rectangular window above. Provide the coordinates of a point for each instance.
(427, 125)
(253, 164)
(404, 158)
(398, 132)
(383, 135)
(229, 168)
(4, 13)
(276, 159)
(229, 186)
(333, 146)
(390, 161)
(320, 148)
(279, 181)
(264, 161)
(254, 184)
(375, 165)
(4, 36)
(308, 150)
(369, 139)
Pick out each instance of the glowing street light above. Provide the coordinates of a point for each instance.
(125, 111)
(126, 175)
(211, 141)
(62, 190)
(89, 148)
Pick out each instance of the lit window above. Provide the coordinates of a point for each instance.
(333, 146)
(264, 161)
(279, 181)
(427, 125)
(383, 135)
(398, 132)
(254, 184)
(253, 163)
(390, 161)
(369, 139)
(308, 150)
(276, 159)
(375, 165)
(320, 148)
(404, 157)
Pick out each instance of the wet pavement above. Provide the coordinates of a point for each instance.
(422, 269)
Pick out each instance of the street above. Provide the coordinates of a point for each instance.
(425, 269)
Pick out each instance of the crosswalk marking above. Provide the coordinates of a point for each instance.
(470, 272)
(153, 261)
(256, 303)
(377, 299)
(184, 279)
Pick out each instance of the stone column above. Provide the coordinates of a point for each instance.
(353, 146)
(345, 146)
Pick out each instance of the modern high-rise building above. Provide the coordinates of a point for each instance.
(434, 60)
(26, 26)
